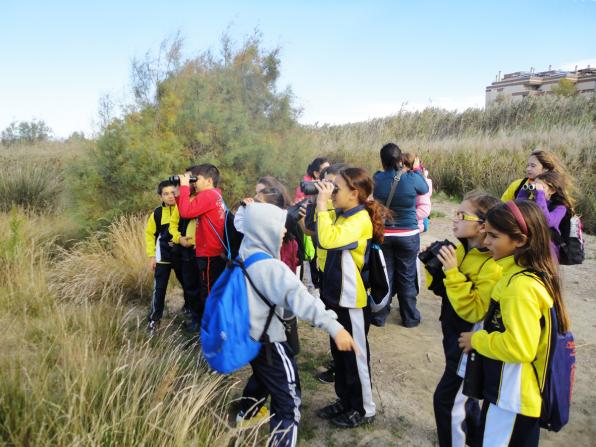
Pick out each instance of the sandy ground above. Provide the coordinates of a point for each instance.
(407, 364)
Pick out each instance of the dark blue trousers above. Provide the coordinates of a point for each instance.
(400, 255)
(457, 416)
(275, 374)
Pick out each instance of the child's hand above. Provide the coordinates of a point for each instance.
(447, 257)
(345, 342)
(465, 341)
(184, 179)
(325, 192)
(152, 263)
(302, 210)
(248, 200)
(184, 242)
(539, 185)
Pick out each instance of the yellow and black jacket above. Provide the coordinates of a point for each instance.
(516, 334)
(345, 237)
(161, 236)
(469, 286)
(465, 292)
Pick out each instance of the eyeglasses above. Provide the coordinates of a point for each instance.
(460, 215)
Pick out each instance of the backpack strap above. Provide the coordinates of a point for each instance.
(393, 187)
(260, 256)
(224, 245)
(519, 187)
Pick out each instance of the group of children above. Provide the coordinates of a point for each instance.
(497, 288)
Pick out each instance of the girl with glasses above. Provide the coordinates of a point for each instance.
(469, 274)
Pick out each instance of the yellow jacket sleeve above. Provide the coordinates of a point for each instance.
(173, 227)
(331, 236)
(520, 311)
(509, 193)
(471, 299)
(150, 236)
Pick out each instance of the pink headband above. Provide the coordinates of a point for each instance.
(518, 216)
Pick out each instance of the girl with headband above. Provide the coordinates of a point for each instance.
(515, 343)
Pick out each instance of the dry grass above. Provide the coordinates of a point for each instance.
(109, 265)
(487, 161)
(85, 373)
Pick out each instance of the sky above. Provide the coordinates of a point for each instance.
(345, 61)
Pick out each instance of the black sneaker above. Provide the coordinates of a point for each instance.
(327, 376)
(351, 419)
(330, 411)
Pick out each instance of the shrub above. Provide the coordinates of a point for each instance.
(109, 265)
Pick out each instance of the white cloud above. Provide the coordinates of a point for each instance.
(583, 63)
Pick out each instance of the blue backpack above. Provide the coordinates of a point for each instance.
(225, 327)
(560, 375)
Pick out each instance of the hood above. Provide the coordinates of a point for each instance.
(263, 224)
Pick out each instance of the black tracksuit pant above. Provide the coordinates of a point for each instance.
(160, 285)
(209, 268)
(457, 416)
(353, 383)
(275, 374)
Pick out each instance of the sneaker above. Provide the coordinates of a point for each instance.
(262, 415)
(351, 419)
(152, 327)
(330, 411)
(327, 376)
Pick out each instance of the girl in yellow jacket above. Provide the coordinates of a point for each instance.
(468, 277)
(346, 235)
(516, 334)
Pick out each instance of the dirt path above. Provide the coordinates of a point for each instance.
(407, 365)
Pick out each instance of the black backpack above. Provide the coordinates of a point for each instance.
(570, 241)
(569, 238)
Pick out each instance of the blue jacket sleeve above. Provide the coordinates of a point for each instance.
(420, 185)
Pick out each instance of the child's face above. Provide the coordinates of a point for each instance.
(168, 195)
(533, 168)
(203, 183)
(344, 198)
(465, 222)
(499, 244)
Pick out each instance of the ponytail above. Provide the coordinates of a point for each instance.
(378, 215)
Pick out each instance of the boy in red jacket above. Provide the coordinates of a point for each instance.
(209, 209)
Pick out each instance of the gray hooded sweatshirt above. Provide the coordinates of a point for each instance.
(263, 224)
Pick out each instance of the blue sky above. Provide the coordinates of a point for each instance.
(344, 60)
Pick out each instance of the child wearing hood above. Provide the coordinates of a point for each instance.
(274, 369)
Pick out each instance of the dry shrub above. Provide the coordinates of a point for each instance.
(111, 264)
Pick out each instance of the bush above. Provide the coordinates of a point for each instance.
(29, 184)
(109, 265)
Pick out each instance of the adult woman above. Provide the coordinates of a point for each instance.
(397, 187)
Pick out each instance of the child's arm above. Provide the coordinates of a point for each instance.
(470, 300)
(203, 202)
(521, 315)
(150, 229)
(173, 227)
(554, 217)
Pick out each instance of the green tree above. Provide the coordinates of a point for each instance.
(25, 132)
(224, 109)
(565, 88)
